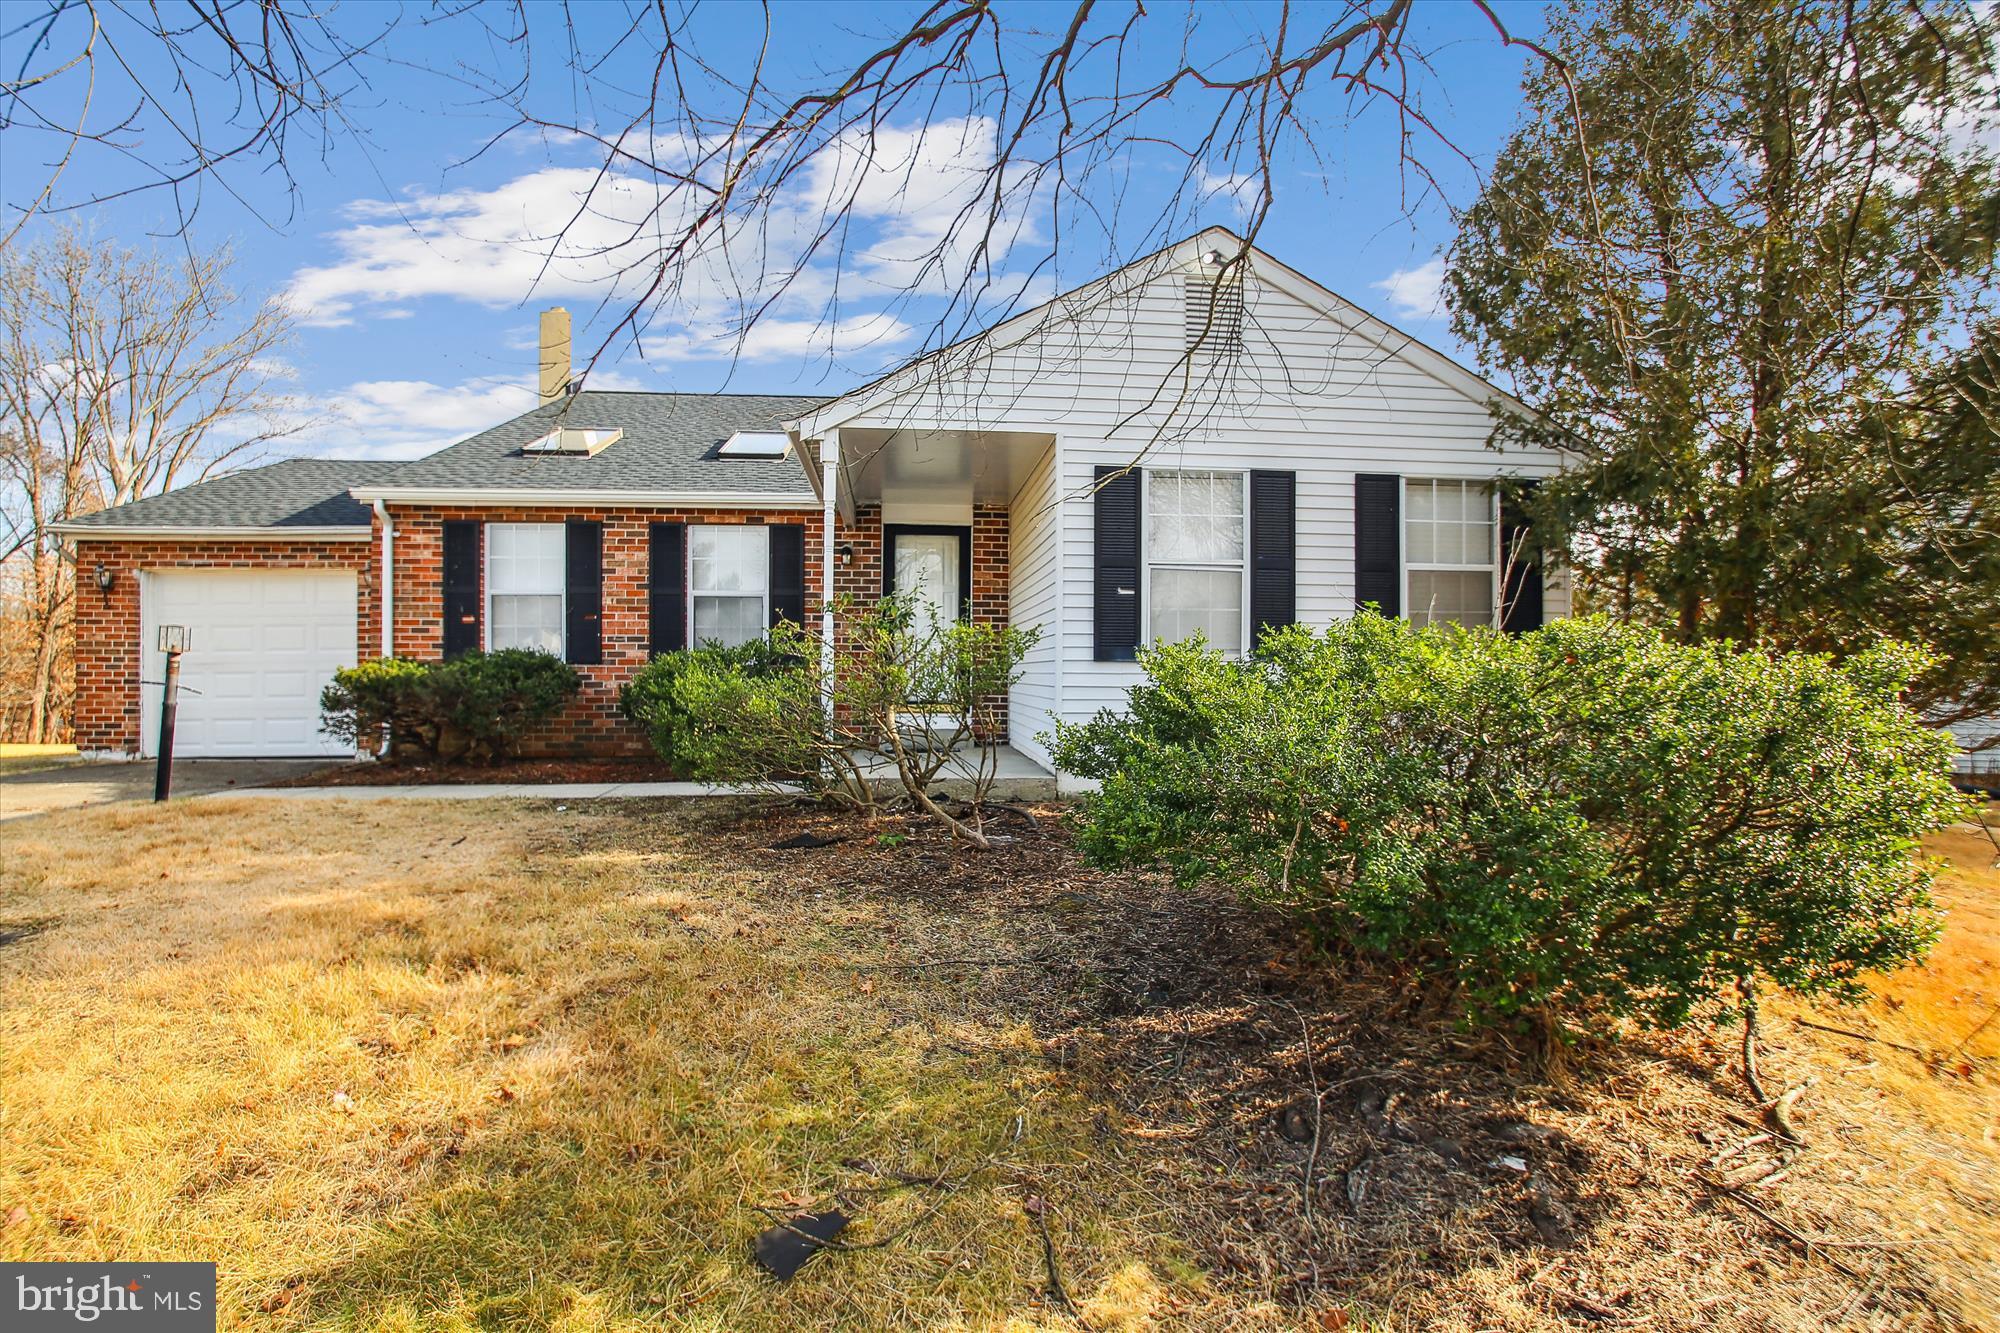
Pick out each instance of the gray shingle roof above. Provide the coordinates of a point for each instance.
(668, 445)
(297, 493)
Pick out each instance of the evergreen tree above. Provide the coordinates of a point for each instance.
(1739, 259)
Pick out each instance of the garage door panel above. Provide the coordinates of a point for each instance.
(262, 646)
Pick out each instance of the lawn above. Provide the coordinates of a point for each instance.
(481, 1065)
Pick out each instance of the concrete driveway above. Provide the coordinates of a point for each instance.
(74, 785)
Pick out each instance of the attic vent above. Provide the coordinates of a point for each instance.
(755, 444)
(1213, 314)
(572, 440)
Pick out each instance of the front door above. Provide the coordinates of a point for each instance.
(930, 568)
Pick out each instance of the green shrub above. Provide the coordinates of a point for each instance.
(366, 701)
(759, 711)
(488, 701)
(649, 698)
(1582, 823)
(476, 706)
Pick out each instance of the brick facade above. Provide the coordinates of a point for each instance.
(108, 624)
(590, 723)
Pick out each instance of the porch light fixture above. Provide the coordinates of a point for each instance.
(105, 578)
(846, 554)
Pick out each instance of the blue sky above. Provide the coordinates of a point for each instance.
(418, 251)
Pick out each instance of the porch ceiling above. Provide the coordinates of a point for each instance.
(919, 467)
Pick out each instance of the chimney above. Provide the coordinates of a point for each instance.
(555, 354)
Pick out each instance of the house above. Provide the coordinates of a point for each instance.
(1295, 458)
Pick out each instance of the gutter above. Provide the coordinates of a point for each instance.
(126, 531)
(490, 495)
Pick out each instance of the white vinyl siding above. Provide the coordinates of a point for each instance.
(1196, 532)
(1450, 548)
(1324, 397)
(1033, 533)
(524, 586)
(729, 575)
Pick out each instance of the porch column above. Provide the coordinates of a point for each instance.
(829, 473)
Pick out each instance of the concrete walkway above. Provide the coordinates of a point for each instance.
(489, 791)
(1017, 778)
(76, 785)
(79, 783)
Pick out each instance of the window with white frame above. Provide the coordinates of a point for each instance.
(1196, 527)
(729, 582)
(524, 586)
(1450, 545)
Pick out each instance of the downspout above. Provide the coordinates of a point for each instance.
(388, 598)
(829, 464)
(388, 579)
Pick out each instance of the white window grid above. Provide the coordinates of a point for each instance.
(1146, 561)
(761, 566)
(561, 590)
(1491, 565)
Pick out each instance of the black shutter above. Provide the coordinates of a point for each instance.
(1378, 542)
(788, 573)
(583, 592)
(1116, 601)
(666, 588)
(1274, 552)
(1521, 558)
(461, 587)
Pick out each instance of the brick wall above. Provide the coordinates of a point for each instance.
(590, 723)
(107, 623)
(107, 698)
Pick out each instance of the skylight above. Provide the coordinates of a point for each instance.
(755, 444)
(573, 440)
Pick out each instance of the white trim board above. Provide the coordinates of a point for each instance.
(501, 495)
(345, 533)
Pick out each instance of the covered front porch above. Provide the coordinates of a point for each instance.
(935, 516)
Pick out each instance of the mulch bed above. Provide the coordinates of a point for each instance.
(373, 774)
(1331, 1130)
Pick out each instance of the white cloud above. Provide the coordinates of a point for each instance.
(777, 339)
(576, 233)
(1415, 293)
(410, 418)
(556, 232)
(1237, 189)
(398, 419)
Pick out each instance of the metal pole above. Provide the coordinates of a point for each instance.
(163, 776)
(829, 471)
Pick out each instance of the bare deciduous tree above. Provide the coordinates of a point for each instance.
(1074, 135)
(121, 375)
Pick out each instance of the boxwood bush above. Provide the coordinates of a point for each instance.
(477, 706)
(1580, 824)
(674, 694)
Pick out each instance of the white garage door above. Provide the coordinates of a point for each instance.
(262, 645)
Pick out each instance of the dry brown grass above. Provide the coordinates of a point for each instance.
(435, 1067)
(501, 1066)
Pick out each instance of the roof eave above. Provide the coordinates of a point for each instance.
(346, 532)
(505, 495)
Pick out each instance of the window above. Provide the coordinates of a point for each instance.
(1195, 539)
(1449, 545)
(729, 572)
(524, 586)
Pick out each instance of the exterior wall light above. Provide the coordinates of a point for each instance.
(105, 578)
(846, 554)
